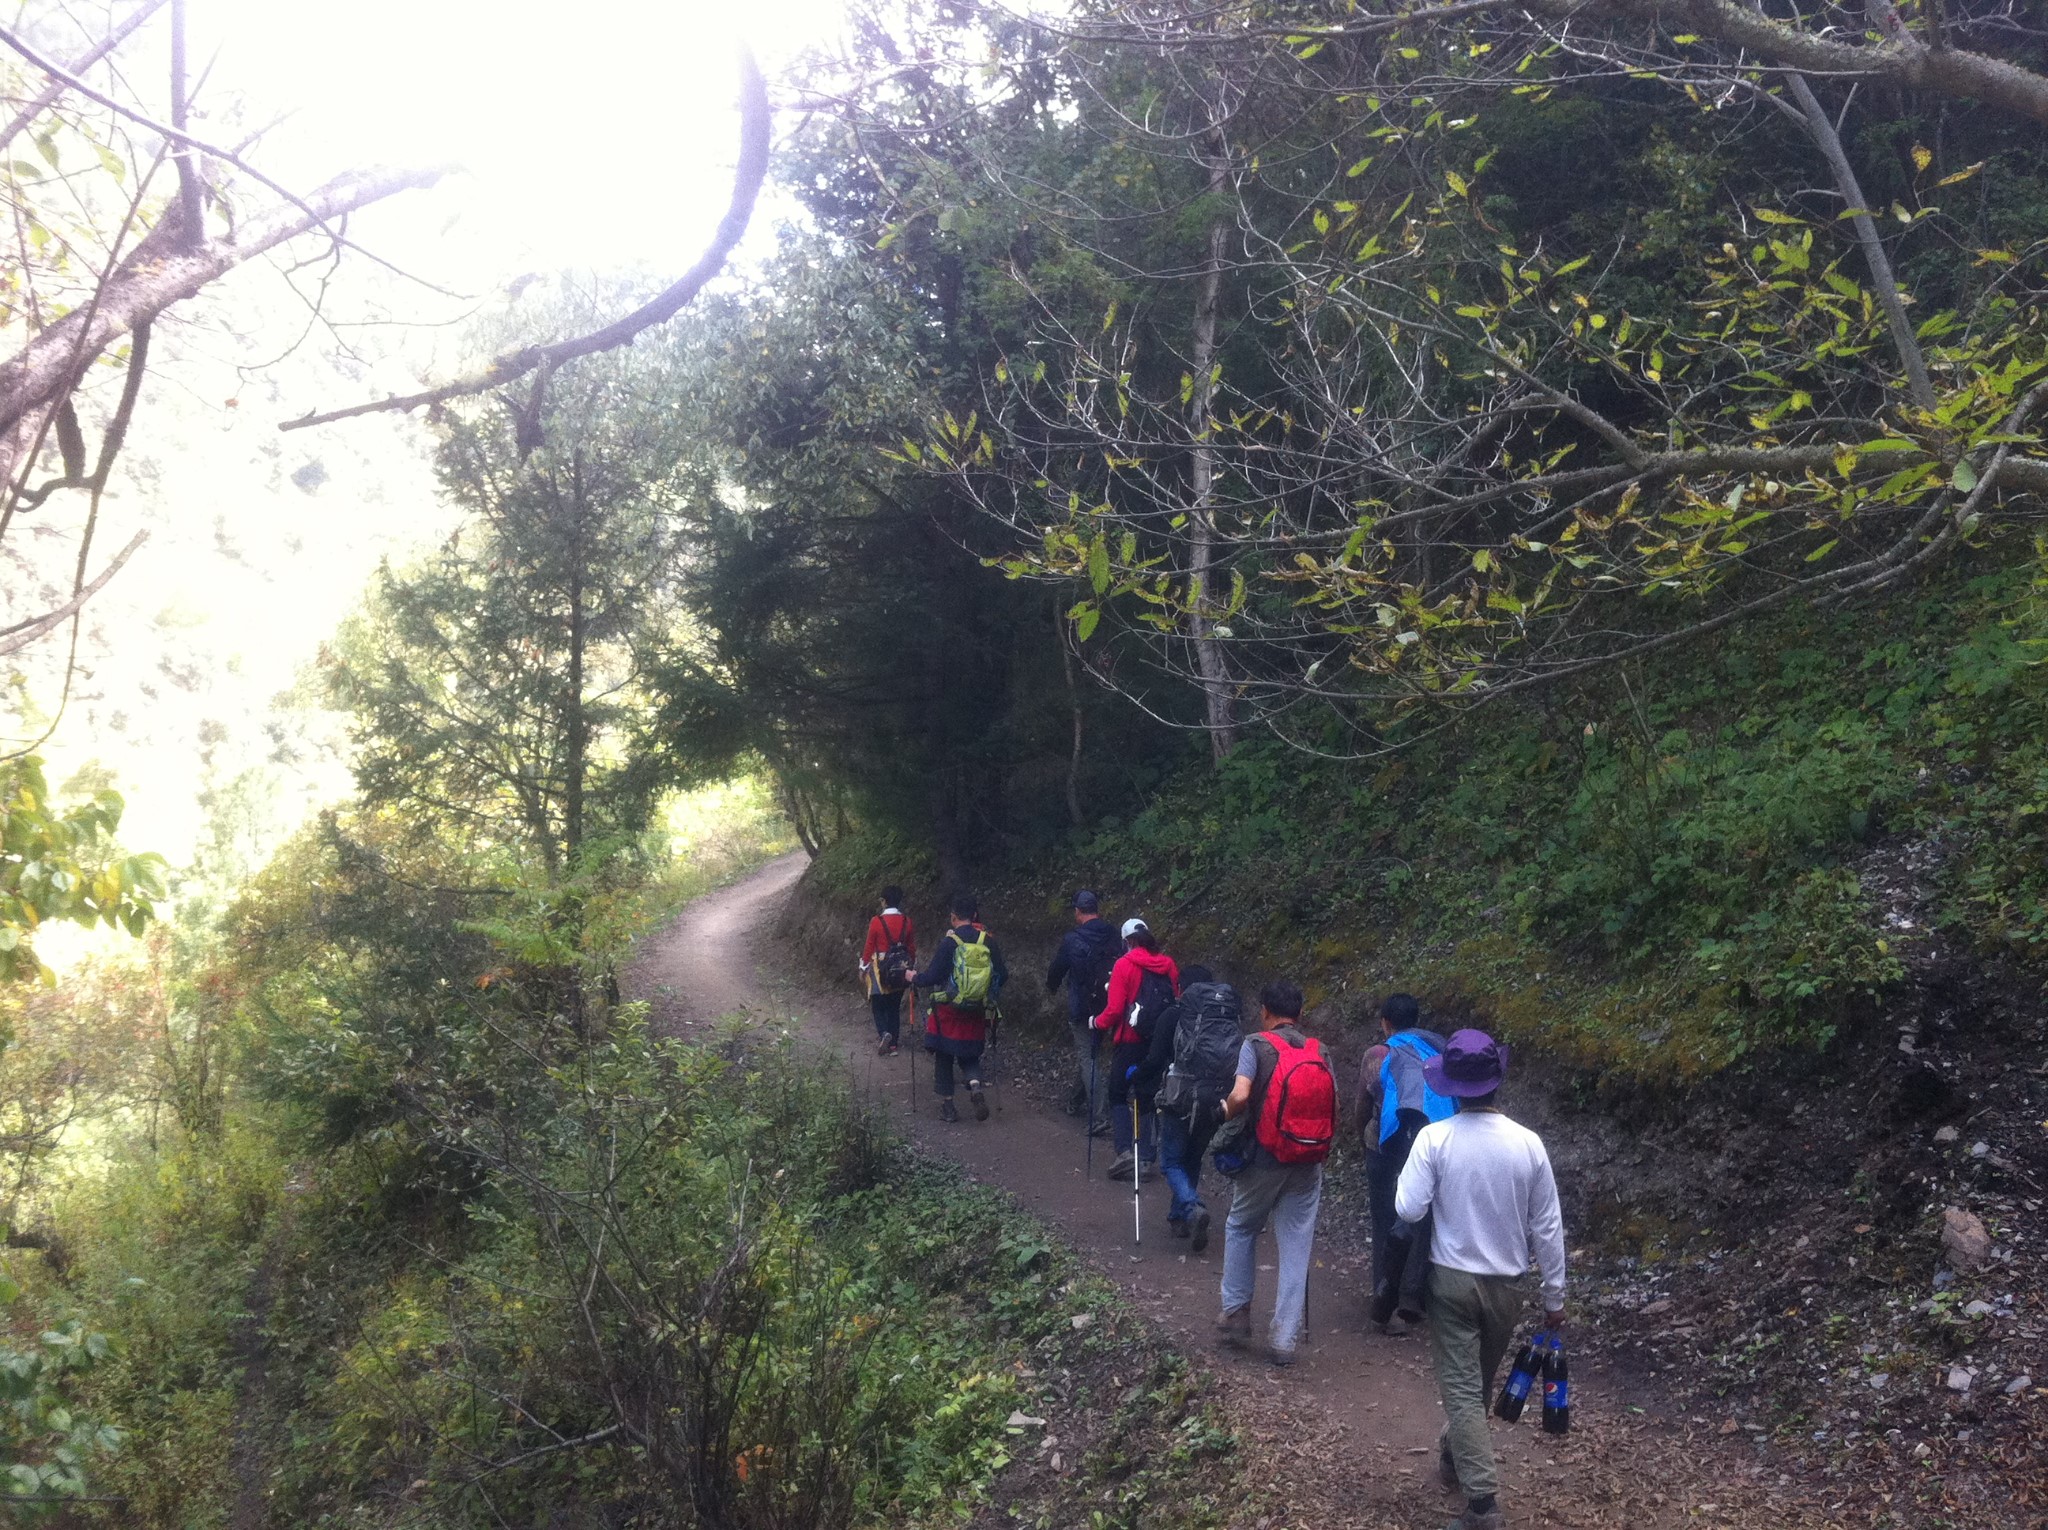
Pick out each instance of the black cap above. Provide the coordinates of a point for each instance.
(1085, 902)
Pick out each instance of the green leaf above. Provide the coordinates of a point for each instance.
(1084, 629)
(1098, 566)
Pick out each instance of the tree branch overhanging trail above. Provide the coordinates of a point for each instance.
(749, 175)
(157, 273)
(19, 636)
(47, 96)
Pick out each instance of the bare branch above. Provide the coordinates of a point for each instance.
(1829, 142)
(43, 99)
(21, 634)
(318, 215)
(752, 170)
(156, 274)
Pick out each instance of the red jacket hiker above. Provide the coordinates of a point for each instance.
(1124, 978)
(884, 930)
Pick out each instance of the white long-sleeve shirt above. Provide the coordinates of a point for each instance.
(1488, 1180)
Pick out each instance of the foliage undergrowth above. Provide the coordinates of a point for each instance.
(1662, 873)
(452, 1239)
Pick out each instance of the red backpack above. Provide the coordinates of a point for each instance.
(1298, 1116)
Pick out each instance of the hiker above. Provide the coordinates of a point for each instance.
(1189, 1068)
(1141, 985)
(966, 974)
(1286, 1092)
(1084, 958)
(1394, 1103)
(1488, 1183)
(887, 959)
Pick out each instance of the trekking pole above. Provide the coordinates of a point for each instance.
(1094, 1055)
(1137, 1165)
(988, 1057)
(910, 1051)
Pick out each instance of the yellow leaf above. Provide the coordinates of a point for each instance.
(1922, 156)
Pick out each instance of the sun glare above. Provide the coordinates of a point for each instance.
(589, 135)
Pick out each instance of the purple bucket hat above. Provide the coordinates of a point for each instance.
(1473, 1063)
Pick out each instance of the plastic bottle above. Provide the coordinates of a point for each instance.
(1557, 1390)
(1521, 1380)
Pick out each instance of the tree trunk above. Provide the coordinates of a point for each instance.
(577, 764)
(579, 722)
(1219, 714)
(1059, 627)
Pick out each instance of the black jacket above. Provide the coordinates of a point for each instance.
(1086, 954)
(1159, 1055)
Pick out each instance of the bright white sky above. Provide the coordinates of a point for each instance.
(593, 136)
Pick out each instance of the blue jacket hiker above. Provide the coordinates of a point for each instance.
(1086, 954)
(965, 975)
(1395, 1101)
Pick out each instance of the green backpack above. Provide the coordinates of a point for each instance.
(974, 971)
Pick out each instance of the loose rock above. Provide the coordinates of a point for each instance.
(1965, 1239)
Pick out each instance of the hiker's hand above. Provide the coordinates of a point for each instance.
(1554, 1321)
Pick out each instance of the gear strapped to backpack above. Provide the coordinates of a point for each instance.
(892, 967)
(1297, 1118)
(974, 970)
(1205, 1048)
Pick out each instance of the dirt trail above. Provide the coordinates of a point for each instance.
(1360, 1409)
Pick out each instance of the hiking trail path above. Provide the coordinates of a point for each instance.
(1350, 1431)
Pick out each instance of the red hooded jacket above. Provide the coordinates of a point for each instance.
(1124, 978)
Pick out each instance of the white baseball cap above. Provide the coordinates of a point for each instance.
(1132, 926)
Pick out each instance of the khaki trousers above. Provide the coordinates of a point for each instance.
(1471, 1324)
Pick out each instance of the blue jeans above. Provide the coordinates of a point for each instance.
(887, 1009)
(1288, 1195)
(1180, 1159)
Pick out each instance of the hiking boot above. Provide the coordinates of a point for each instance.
(1473, 1520)
(1395, 1327)
(947, 1110)
(1280, 1358)
(1236, 1326)
(980, 1103)
(1148, 1170)
(894, 1047)
(1199, 1235)
(884, 1046)
(1123, 1167)
(1099, 1129)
